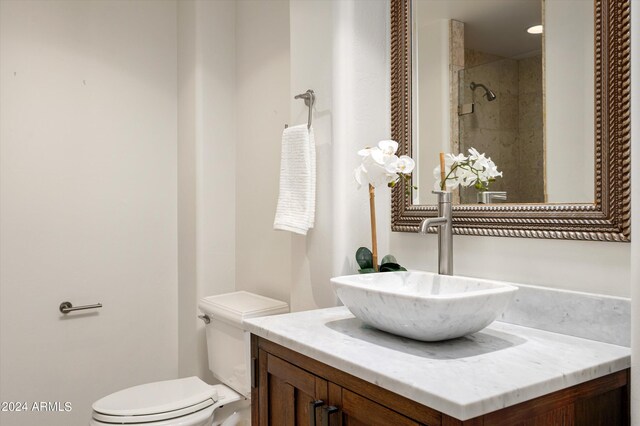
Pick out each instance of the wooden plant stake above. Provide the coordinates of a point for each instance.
(374, 236)
(442, 174)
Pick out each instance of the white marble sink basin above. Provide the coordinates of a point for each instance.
(423, 305)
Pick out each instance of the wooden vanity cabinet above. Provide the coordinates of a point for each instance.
(286, 392)
(291, 389)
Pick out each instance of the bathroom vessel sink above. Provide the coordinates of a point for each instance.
(424, 305)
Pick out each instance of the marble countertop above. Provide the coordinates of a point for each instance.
(500, 366)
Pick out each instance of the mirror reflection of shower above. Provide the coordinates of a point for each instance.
(487, 92)
(469, 108)
(500, 113)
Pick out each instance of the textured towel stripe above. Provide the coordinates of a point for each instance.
(296, 202)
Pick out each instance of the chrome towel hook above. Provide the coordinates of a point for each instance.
(309, 100)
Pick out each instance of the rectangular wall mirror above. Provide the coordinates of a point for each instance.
(542, 87)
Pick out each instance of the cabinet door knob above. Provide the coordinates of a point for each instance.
(313, 406)
(328, 411)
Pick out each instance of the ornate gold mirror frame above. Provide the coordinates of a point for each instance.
(609, 218)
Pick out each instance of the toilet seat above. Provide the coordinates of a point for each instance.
(149, 418)
(155, 402)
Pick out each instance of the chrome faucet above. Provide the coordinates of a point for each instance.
(445, 232)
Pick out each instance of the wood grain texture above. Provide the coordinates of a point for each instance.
(602, 410)
(357, 408)
(450, 421)
(609, 218)
(262, 408)
(255, 389)
(293, 375)
(335, 398)
(547, 404)
(282, 402)
(286, 392)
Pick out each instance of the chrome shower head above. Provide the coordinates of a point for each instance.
(487, 92)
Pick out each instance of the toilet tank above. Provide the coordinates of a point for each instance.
(228, 344)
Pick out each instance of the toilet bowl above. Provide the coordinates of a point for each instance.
(190, 401)
(184, 402)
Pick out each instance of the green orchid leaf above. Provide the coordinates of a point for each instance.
(366, 271)
(364, 257)
(389, 267)
(388, 259)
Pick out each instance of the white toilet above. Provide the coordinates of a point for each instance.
(190, 401)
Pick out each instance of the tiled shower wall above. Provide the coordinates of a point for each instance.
(530, 132)
(509, 129)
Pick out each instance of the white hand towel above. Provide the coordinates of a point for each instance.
(297, 199)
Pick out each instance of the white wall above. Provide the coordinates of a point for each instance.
(88, 201)
(187, 252)
(206, 167)
(635, 208)
(233, 103)
(362, 95)
(333, 55)
(263, 256)
(360, 110)
(311, 33)
(569, 100)
(234, 99)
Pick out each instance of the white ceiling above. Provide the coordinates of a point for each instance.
(492, 26)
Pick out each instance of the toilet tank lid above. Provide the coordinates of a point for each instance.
(237, 306)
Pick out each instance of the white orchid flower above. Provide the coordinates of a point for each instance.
(480, 162)
(376, 153)
(359, 174)
(492, 170)
(381, 166)
(388, 147)
(466, 176)
(376, 174)
(406, 164)
(474, 154)
(475, 170)
(460, 158)
(403, 164)
(453, 179)
(391, 164)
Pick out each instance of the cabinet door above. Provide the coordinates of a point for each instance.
(356, 410)
(286, 393)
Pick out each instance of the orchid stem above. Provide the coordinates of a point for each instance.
(443, 183)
